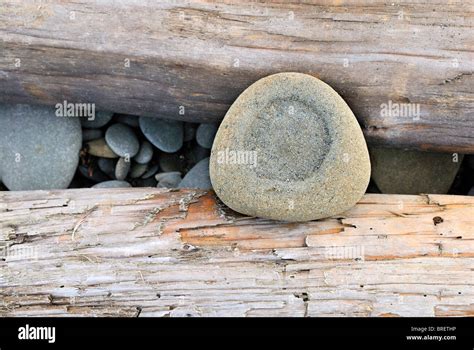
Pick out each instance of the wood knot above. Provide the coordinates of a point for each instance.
(437, 220)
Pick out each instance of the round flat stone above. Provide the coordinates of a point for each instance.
(138, 170)
(166, 135)
(205, 134)
(100, 119)
(112, 184)
(145, 153)
(289, 148)
(38, 150)
(122, 168)
(168, 180)
(413, 172)
(152, 169)
(198, 176)
(122, 140)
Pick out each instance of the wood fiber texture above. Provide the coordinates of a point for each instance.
(154, 252)
(190, 60)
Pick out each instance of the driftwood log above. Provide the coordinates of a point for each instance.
(190, 60)
(153, 252)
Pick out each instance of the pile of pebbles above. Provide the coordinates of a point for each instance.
(41, 151)
(128, 151)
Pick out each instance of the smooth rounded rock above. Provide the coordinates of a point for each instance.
(289, 148)
(101, 118)
(99, 148)
(38, 150)
(112, 184)
(169, 179)
(152, 169)
(145, 153)
(138, 170)
(122, 168)
(166, 135)
(205, 134)
(198, 176)
(413, 172)
(122, 140)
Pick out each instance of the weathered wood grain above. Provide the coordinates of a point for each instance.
(157, 57)
(153, 252)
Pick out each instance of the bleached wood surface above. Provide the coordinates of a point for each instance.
(153, 252)
(191, 59)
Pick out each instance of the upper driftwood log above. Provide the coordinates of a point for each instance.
(156, 252)
(405, 68)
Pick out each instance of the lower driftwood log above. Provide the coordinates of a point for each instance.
(154, 252)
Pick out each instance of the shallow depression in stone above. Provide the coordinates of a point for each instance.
(289, 138)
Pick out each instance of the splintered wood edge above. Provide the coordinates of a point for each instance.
(157, 252)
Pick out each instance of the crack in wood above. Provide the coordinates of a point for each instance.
(456, 78)
(150, 216)
(81, 220)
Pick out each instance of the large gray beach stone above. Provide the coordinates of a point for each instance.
(289, 148)
(413, 172)
(38, 150)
